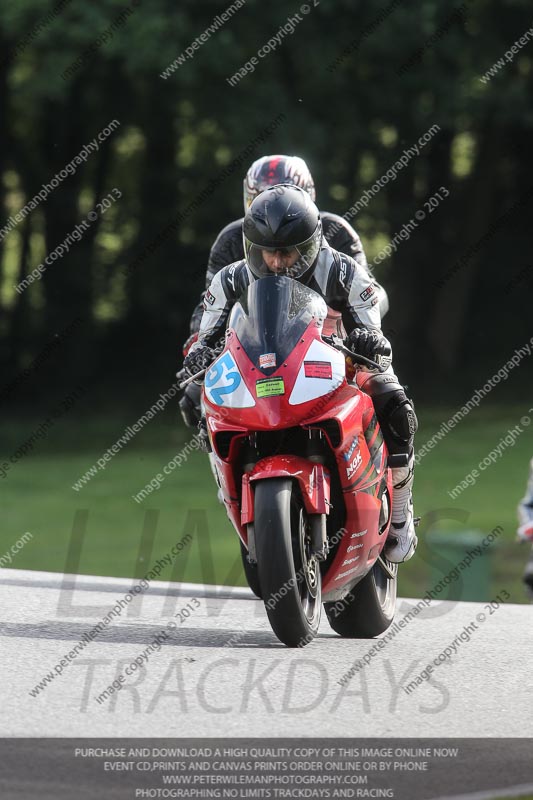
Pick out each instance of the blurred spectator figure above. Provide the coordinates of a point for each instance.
(525, 529)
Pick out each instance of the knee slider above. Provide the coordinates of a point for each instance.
(402, 418)
(395, 414)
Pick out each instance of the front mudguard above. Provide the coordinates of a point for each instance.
(313, 480)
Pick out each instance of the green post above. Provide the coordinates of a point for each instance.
(447, 550)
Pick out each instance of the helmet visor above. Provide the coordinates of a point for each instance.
(292, 261)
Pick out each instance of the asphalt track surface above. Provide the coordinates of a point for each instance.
(222, 673)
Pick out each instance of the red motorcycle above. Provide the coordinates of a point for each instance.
(302, 466)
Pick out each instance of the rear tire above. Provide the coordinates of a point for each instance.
(370, 609)
(251, 573)
(289, 576)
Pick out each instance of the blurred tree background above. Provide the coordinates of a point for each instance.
(352, 87)
(351, 122)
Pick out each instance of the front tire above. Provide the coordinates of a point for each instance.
(369, 608)
(289, 575)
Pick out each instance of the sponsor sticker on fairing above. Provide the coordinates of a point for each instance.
(267, 360)
(344, 574)
(348, 454)
(269, 387)
(356, 463)
(318, 369)
(349, 561)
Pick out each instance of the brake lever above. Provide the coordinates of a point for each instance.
(336, 342)
(192, 378)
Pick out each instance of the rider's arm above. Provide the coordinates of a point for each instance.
(226, 249)
(342, 237)
(220, 297)
(356, 296)
(362, 311)
(216, 310)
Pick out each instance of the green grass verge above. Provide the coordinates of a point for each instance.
(37, 497)
(515, 797)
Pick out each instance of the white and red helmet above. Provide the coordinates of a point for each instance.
(274, 170)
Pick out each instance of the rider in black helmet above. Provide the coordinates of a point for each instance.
(271, 171)
(228, 247)
(282, 233)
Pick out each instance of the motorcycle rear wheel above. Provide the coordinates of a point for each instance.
(289, 575)
(370, 609)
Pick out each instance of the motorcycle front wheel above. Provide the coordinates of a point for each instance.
(289, 575)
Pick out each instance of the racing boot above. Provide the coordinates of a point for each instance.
(402, 540)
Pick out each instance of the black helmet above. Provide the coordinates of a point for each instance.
(272, 170)
(282, 218)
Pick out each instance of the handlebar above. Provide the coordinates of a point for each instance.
(186, 382)
(333, 340)
(336, 342)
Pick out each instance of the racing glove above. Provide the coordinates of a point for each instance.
(370, 344)
(198, 358)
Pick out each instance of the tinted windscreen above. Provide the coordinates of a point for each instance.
(271, 317)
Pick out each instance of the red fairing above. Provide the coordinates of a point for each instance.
(272, 397)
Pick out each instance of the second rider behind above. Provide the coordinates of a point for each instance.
(282, 234)
(228, 246)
